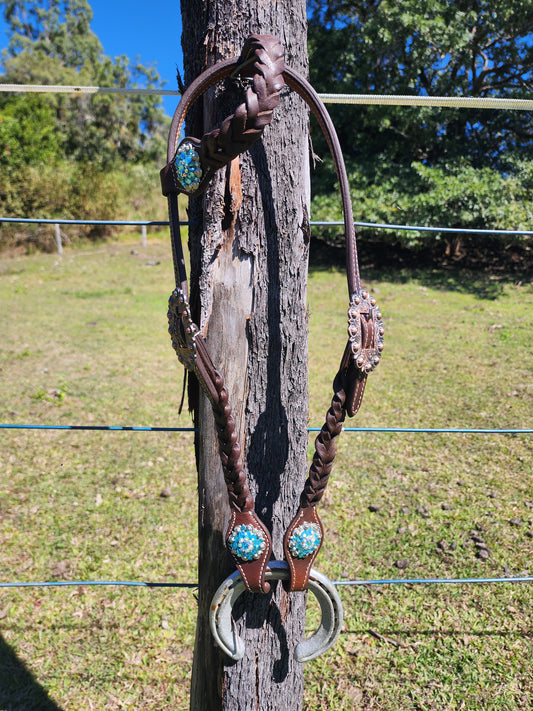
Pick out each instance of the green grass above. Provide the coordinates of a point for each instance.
(84, 342)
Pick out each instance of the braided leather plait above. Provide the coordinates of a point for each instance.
(322, 463)
(240, 499)
(239, 494)
(262, 60)
(237, 133)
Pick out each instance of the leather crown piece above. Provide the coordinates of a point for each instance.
(190, 164)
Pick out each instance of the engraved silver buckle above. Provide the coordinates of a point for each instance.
(182, 329)
(363, 314)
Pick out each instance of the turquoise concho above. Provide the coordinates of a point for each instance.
(187, 167)
(246, 542)
(305, 539)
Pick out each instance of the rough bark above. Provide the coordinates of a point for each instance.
(249, 250)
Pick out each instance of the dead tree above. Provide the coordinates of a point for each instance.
(249, 240)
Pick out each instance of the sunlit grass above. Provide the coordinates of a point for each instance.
(84, 342)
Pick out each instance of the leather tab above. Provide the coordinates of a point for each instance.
(351, 381)
(305, 531)
(247, 535)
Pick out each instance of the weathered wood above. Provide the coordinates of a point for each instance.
(59, 243)
(249, 250)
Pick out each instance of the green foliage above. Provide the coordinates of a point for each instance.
(432, 166)
(71, 190)
(454, 194)
(103, 129)
(66, 156)
(28, 134)
(51, 43)
(433, 48)
(54, 28)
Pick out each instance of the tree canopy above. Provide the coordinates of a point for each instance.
(418, 165)
(89, 156)
(51, 42)
(412, 160)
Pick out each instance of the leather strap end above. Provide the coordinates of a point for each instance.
(247, 536)
(351, 380)
(168, 183)
(302, 542)
(355, 389)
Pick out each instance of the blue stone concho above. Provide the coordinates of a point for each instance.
(246, 542)
(187, 167)
(305, 539)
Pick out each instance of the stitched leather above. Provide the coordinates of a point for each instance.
(262, 61)
(253, 571)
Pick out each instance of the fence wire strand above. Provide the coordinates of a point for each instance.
(479, 102)
(339, 583)
(313, 223)
(392, 430)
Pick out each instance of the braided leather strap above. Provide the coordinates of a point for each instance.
(246, 533)
(247, 539)
(322, 463)
(239, 494)
(262, 59)
(306, 521)
(348, 387)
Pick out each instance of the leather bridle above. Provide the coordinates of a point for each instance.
(191, 163)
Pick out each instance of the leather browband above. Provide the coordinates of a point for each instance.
(190, 165)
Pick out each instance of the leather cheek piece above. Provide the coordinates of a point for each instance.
(306, 519)
(248, 534)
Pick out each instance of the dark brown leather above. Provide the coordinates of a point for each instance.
(262, 61)
(324, 455)
(300, 568)
(252, 571)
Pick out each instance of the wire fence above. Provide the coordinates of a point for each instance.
(316, 223)
(57, 222)
(338, 583)
(144, 224)
(436, 102)
(383, 430)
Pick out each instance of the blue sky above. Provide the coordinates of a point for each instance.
(134, 28)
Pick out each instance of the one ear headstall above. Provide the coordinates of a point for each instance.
(191, 163)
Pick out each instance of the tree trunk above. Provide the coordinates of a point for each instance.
(249, 249)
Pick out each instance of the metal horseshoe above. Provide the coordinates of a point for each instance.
(223, 625)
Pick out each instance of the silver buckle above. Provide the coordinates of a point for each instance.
(363, 306)
(182, 329)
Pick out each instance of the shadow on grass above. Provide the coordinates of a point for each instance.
(483, 277)
(19, 690)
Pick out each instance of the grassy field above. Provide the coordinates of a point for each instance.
(83, 341)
